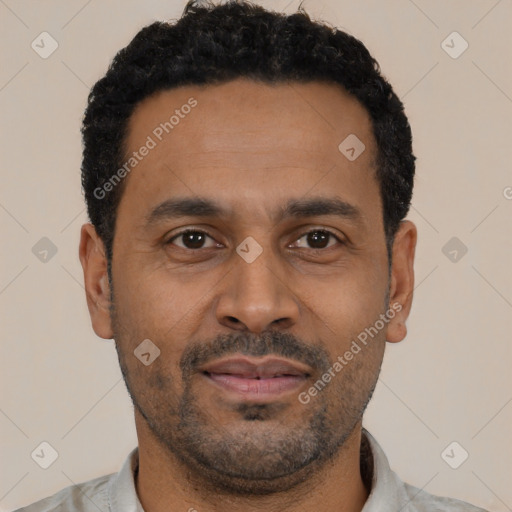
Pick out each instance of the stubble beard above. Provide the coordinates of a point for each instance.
(266, 451)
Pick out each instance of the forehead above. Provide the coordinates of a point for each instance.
(242, 139)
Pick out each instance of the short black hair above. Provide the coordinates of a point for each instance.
(216, 43)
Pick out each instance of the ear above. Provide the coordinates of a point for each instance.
(402, 280)
(97, 289)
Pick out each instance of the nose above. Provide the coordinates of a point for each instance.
(257, 296)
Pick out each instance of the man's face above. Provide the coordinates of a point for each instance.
(243, 334)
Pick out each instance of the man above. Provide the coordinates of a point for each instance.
(247, 176)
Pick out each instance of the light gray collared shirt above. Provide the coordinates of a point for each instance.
(116, 492)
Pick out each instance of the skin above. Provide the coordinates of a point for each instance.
(252, 147)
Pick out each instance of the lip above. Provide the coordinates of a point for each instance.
(256, 378)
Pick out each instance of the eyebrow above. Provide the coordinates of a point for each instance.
(295, 208)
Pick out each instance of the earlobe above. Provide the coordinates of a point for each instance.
(396, 332)
(402, 280)
(97, 288)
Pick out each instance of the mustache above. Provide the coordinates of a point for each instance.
(267, 343)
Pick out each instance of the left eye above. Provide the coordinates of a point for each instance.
(317, 239)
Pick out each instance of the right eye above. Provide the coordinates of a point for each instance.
(193, 239)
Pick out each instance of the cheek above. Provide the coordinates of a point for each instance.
(148, 298)
(349, 310)
(355, 296)
(159, 306)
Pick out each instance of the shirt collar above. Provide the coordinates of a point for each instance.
(122, 495)
(386, 487)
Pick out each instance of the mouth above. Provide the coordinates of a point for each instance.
(251, 378)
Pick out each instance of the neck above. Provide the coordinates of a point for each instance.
(163, 480)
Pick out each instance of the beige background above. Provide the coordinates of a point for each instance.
(448, 381)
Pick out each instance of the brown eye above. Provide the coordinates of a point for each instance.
(193, 239)
(317, 239)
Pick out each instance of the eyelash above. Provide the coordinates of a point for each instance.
(315, 230)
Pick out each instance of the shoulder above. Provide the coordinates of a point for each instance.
(421, 501)
(87, 496)
(388, 487)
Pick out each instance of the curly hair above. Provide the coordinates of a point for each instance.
(213, 44)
